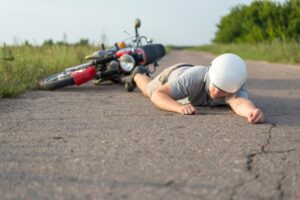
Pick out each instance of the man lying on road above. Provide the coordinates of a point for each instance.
(182, 86)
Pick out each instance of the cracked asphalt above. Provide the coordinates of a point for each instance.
(100, 142)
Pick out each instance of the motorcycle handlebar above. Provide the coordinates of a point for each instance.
(104, 59)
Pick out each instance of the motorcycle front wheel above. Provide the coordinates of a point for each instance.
(56, 81)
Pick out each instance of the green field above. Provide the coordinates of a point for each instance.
(22, 66)
(276, 51)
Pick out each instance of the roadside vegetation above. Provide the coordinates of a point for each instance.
(276, 51)
(263, 30)
(22, 66)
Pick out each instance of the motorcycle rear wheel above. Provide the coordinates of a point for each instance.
(56, 81)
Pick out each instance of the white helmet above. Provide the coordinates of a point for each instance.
(228, 72)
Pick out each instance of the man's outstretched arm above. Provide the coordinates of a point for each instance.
(245, 108)
(162, 97)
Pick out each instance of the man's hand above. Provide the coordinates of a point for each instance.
(255, 116)
(187, 109)
(245, 108)
(162, 97)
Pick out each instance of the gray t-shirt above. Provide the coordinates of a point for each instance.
(189, 85)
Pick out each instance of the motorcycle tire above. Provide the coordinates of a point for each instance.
(56, 81)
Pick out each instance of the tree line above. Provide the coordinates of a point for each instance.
(261, 21)
(81, 42)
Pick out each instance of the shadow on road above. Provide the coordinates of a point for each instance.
(274, 84)
(283, 110)
(93, 88)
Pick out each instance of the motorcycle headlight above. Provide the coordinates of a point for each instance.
(127, 62)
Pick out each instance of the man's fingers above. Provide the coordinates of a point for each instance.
(194, 110)
(188, 110)
(259, 118)
(191, 110)
(256, 117)
(250, 117)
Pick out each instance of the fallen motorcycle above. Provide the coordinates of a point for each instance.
(110, 65)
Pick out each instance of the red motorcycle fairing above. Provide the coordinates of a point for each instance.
(130, 51)
(123, 52)
(84, 75)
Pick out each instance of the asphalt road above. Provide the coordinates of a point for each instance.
(100, 142)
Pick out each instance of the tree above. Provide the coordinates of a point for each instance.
(263, 20)
(48, 42)
(83, 42)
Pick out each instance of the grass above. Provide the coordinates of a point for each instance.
(276, 51)
(22, 66)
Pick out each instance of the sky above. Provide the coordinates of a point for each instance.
(180, 22)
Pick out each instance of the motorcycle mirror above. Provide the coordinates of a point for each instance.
(137, 23)
(102, 46)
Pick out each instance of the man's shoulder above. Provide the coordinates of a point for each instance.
(200, 67)
(198, 71)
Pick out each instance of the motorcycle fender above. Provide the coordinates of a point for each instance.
(82, 76)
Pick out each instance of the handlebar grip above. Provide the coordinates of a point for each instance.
(105, 59)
